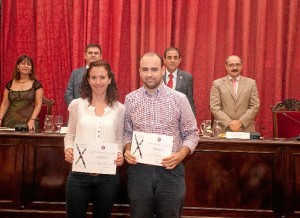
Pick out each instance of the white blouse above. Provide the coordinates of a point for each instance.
(84, 125)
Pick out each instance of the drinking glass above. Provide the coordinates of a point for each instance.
(48, 123)
(217, 130)
(205, 128)
(58, 120)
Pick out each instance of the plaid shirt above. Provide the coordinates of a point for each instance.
(165, 112)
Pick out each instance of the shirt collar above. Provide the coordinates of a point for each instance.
(237, 78)
(174, 73)
(159, 90)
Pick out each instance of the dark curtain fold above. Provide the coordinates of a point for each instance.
(265, 33)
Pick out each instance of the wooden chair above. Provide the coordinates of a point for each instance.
(286, 118)
(45, 110)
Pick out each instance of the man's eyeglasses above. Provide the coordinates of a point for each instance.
(234, 65)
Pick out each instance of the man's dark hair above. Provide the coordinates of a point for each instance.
(172, 49)
(91, 45)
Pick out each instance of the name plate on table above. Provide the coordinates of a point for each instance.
(238, 135)
(95, 158)
(7, 128)
(151, 148)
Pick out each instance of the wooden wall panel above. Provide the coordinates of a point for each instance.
(225, 178)
(11, 169)
(291, 187)
(233, 175)
(47, 173)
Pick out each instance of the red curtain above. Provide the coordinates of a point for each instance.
(265, 33)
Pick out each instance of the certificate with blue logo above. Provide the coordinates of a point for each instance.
(149, 148)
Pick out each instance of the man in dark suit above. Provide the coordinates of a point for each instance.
(179, 80)
(234, 99)
(93, 52)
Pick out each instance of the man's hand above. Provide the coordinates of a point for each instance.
(235, 125)
(176, 158)
(130, 159)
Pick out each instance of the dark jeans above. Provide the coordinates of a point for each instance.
(82, 188)
(153, 190)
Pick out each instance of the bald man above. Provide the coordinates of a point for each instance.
(234, 99)
(157, 109)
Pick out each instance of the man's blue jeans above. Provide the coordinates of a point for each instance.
(153, 190)
(82, 188)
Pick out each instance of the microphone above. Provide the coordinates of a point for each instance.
(292, 118)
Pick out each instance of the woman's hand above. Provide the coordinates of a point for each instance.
(31, 124)
(120, 159)
(69, 155)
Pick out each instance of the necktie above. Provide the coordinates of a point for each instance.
(234, 86)
(170, 83)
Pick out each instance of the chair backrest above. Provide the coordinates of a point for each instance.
(286, 118)
(45, 110)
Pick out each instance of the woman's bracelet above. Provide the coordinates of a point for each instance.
(32, 118)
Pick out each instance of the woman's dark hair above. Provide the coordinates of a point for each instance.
(112, 90)
(16, 72)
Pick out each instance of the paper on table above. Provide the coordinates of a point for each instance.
(7, 128)
(63, 129)
(238, 135)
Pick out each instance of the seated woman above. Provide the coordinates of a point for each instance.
(23, 96)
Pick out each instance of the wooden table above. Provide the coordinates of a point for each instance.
(229, 178)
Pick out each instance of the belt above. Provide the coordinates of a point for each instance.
(94, 174)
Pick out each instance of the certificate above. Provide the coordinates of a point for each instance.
(151, 148)
(94, 157)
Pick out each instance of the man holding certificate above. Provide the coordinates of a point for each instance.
(93, 144)
(160, 130)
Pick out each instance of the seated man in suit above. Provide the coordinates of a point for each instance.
(180, 80)
(234, 99)
(93, 52)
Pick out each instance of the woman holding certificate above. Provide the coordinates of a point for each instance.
(93, 144)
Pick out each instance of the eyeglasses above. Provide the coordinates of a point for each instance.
(152, 69)
(234, 65)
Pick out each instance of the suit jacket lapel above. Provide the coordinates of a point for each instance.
(241, 86)
(178, 79)
(164, 77)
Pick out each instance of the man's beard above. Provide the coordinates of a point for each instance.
(153, 85)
